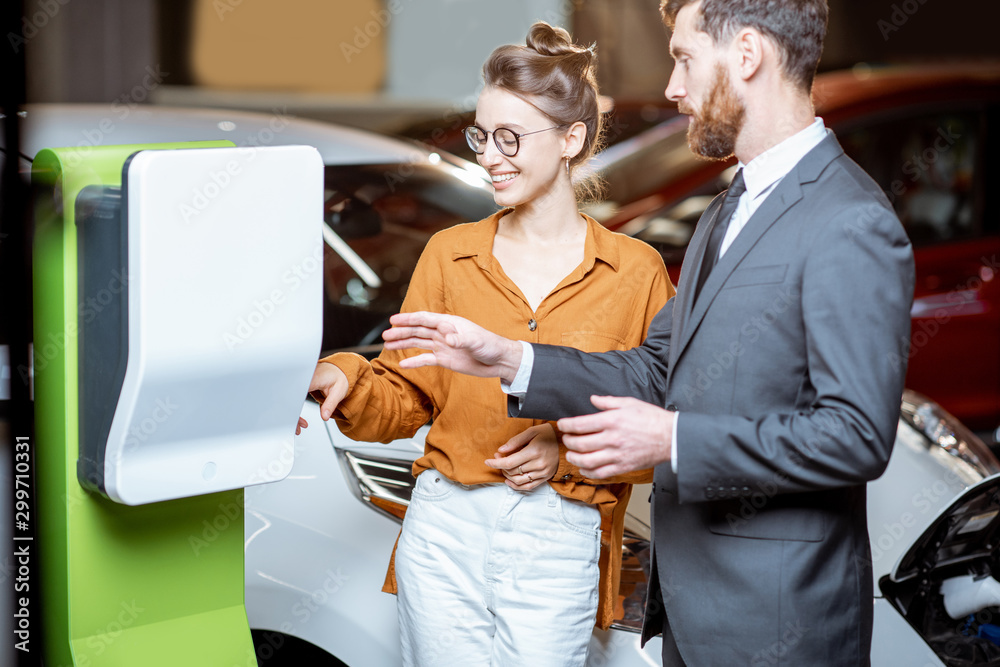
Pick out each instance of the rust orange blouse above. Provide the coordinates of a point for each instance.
(606, 303)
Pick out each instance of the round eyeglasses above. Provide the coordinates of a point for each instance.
(507, 141)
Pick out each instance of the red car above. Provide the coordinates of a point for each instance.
(927, 136)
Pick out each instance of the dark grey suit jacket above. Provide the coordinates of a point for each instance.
(787, 374)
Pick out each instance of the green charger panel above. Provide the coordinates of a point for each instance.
(152, 585)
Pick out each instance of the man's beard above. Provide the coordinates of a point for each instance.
(713, 130)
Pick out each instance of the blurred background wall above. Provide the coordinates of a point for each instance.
(382, 63)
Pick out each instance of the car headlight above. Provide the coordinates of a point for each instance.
(942, 430)
(383, 484)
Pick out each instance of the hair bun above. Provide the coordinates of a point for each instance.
(550, 40)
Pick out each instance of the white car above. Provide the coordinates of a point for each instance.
(318, 542)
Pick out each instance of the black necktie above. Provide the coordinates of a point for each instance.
(719, 226)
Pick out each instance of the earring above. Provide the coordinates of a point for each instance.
(567, 165)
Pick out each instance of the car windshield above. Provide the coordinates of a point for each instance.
(385, 214)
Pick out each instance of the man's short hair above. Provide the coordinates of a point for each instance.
(796, 27)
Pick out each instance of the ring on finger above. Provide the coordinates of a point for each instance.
(520, 470)
(529, 478)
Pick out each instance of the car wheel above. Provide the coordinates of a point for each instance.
(276, 649)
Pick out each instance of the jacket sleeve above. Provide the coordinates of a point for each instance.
(386, 402)
(857, 290)
(563, 379)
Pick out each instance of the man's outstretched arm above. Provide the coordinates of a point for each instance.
(562, 380)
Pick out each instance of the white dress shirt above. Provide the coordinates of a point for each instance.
(761, 175)
(765, 171)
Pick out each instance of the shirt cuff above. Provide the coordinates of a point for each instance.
(673, 444)
(519, 385)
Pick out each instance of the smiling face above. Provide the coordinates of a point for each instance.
(538, 169)
(701, 86)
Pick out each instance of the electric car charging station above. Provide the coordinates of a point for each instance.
(158, 398)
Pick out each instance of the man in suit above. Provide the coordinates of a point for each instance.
(767, 392)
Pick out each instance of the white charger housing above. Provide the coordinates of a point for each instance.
(223, 277)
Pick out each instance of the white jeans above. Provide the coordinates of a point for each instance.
(491, 576)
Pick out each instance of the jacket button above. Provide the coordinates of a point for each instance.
(532, 325)
(710, 493)
(566, 478)
(672, 408)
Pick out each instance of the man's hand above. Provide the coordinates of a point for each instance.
(628, 435)
(454, 343)
(529, 459)
(330, 384)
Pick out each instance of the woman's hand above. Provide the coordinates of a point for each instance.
(330, 383)
(529, 459)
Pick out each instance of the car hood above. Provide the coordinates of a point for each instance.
(84, 125)
(965, 531)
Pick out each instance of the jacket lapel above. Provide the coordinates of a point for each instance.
(784, 196)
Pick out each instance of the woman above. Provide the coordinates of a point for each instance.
(514, 573)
